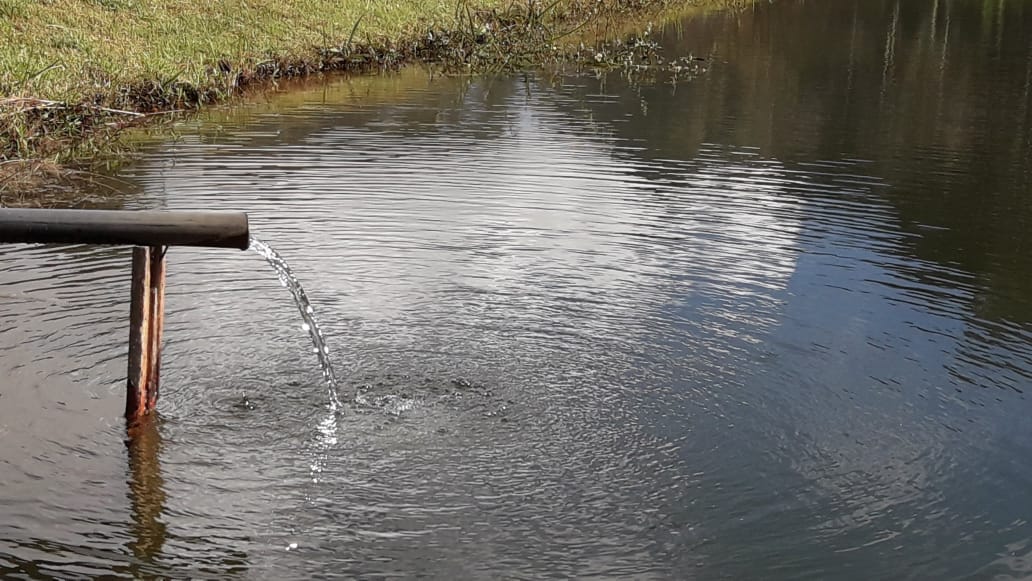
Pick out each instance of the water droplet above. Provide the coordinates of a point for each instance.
(305, 327)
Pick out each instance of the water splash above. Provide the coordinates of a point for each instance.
(287, 278)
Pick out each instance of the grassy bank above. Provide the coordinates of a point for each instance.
(73, 73)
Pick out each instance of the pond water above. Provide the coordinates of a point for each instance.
(774, 321)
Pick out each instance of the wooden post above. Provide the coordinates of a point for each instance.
(146, 319)
(157, 320)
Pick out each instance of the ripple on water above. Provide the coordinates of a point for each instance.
(582, 345)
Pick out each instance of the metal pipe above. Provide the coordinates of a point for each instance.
(124, 227)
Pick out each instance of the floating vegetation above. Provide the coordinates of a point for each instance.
(639, 57)
(512, 41)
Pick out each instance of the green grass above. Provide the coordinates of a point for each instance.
(76, 50)
(73, 73)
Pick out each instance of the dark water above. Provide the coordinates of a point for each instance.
(771, 323)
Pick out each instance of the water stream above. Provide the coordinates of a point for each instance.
(304, 306)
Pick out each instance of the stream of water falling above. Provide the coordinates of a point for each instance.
(310, 324)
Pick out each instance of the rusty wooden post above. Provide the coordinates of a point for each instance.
(146, 321)
(157, 287)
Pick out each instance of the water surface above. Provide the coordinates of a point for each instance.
(772, 322)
